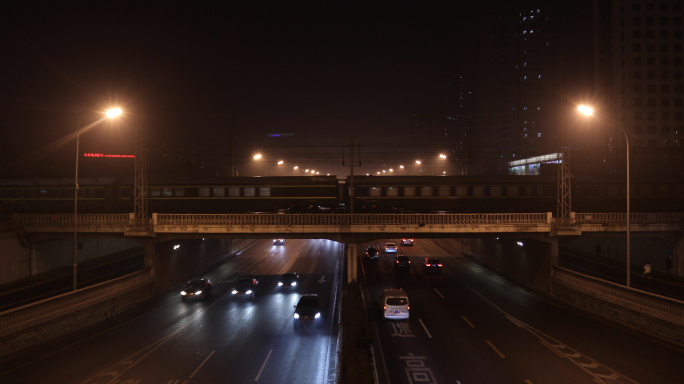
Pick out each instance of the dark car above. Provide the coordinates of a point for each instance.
(372, 254)
(406, 242)
(245, 287)
(307, 311)
(402, 262)
(288, 280)
(432, 265)
(278, 241)
(196, 289)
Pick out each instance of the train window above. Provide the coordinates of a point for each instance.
(82, 193)
(678, 190)
(644, 190)
(264, 191)
(461, 191)
(7, 193)
(375, 191)
(512, 190)
(179, 191)
(409, 191)
(31, 193)
(56, 193)
(43, 193)
(21, 193)
(426, 191)
(478, 191)
(203, 192)
(234, 191)
(249, 192)
(220, 192)
(155, 192)
(495, 190)
(393, 191)
(612, 190)
(91, 192)
(167, 192)
(443, 191)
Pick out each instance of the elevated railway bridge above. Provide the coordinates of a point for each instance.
(352, 229)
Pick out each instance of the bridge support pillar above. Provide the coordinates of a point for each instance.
(152, 260)
(554, 252)
(678, 256)
(352, 263)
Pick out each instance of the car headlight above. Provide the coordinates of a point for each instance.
(198, 293)
(234, 291)
(318, 315)
(294, 283)
(280, 283)
(183, 293)
(248, 291)
(296, 315)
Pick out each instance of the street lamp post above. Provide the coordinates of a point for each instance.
(589, 111)
(110, 114)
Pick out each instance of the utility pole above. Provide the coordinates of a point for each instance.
(140, 184)
(351, 174)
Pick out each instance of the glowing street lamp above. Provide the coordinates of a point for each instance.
(588, 111)
(110, 114)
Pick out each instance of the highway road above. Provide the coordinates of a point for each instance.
(222, 339)
(470, 325)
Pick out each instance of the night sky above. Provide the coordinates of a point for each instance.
(321, 70)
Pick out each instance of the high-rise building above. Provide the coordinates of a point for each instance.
(515, 116)
(638, 74)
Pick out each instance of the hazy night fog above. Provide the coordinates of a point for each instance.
(211, 82)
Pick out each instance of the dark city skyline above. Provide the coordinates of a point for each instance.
(213, 81)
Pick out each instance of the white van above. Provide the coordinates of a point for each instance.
(395, 304)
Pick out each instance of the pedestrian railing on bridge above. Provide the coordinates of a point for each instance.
(159, 221)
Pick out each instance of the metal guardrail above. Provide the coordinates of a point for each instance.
(16, 319)
(658, 306)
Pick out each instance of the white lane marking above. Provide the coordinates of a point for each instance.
(440, 295)
(425, 328)
(263, 365)
(200, 366)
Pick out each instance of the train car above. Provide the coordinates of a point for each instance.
(454, 194)
(177, 195)
(282, 194)
(57, 195)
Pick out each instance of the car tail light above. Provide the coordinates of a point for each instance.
(439, 265)
(408, 308)
(384, 307)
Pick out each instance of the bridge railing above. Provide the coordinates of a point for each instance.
(126, 219)
(658, 306)
(349, 219)
(634, 218)
(65, 219)
(29, 315)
